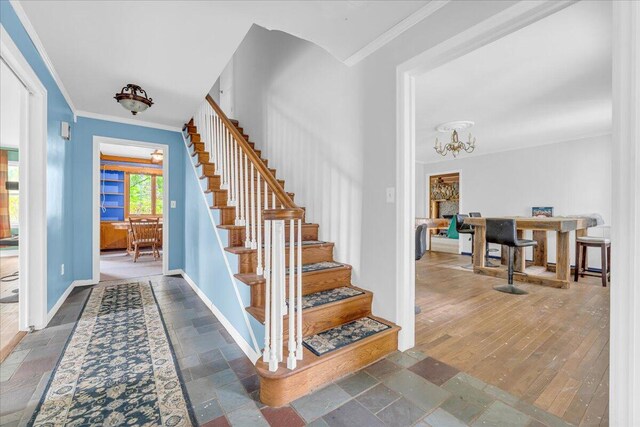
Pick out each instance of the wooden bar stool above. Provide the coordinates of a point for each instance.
(584, 242)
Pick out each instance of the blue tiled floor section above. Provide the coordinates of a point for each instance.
(404, 389)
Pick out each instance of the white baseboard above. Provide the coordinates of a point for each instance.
(173, 272)
(242, 343)
(84, 282)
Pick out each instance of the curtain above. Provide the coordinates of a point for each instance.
(5, 226)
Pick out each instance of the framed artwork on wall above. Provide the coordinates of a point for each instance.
(542, 211)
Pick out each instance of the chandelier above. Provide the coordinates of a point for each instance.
(133, 98)
(455, 146)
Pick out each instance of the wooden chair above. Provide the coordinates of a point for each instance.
(144, 234)
(582, 269)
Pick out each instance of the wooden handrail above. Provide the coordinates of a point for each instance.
(282, 214)
(271, 180)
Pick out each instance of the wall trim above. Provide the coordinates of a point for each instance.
(127, 121)
(242, 343)
(31, 31)
(57, 305)
(624, 389)
(427, 10)
(32, 309)
(224, 253)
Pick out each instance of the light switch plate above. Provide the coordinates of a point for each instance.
(391, 195)
(173, 204)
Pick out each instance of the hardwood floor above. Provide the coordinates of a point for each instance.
(549, 348)
(9, 334)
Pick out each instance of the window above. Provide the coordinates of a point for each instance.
(14, 198)
(145, 194)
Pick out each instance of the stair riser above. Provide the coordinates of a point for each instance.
(213, 182)
(311, 283)
(247, 263)
(331, 315)
(219, 198)
(237, 237)
(281, 391)
(201, 157)
(194, 137)
(206, 169)
(227, 216)
(197, 147)
(190, 129)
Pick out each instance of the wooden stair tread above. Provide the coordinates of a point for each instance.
(241, 227)
(252, 279)
(310, 360)
(244, 250)
(258, 312)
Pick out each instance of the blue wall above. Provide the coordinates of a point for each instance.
(204, 259)
(59, 163)
(85, 129)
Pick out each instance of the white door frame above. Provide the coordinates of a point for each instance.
(33, 192)
(95, 172)
(625, 319)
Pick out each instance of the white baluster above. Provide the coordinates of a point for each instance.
(281, 283)
(266, 195)
(225, 165)
(258, 224)
(293, 308)
(270, 272)
(245, 200)
(252, 202)
(299, 293)
(273, 199)
(267, 289)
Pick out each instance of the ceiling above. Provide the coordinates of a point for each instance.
(176, 50)
(548, 82)
(126, 151)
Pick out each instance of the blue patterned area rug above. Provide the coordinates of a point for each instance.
(343, 335)
(118, 367)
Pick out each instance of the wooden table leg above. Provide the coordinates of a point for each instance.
(563, 266)
(479, 242)
(540, 251)
(520, 260)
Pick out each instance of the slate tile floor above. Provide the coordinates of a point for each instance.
(404, 389)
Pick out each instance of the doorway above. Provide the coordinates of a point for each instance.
(130, 219)
(23, 176)
(13, 117)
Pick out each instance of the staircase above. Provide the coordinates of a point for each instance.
(332, 305)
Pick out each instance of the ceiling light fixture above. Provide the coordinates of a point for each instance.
(157, 156)
(133, 98)
(455, 146)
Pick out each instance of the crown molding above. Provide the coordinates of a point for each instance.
(393, 32)
(126, 121)
(31, 31)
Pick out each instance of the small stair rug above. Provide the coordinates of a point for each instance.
(343, 335)
(328, 296)
(118, 367)
(317, 266)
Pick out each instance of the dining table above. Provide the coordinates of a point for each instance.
(538, 270)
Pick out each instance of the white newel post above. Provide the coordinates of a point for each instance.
(259, 269)
(293, 309)
(299, 293)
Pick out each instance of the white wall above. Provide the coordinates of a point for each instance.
(330, 130)
(421, 192)
(307, 129)
(573, 177)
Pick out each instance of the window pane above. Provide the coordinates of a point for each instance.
(139, 194)
(159, 182)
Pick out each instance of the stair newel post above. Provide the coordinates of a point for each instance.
(282, 277)
(252, 202)
(299, 293)
(267, 356)
(293, 307)
(245, 206)
(258, 224)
